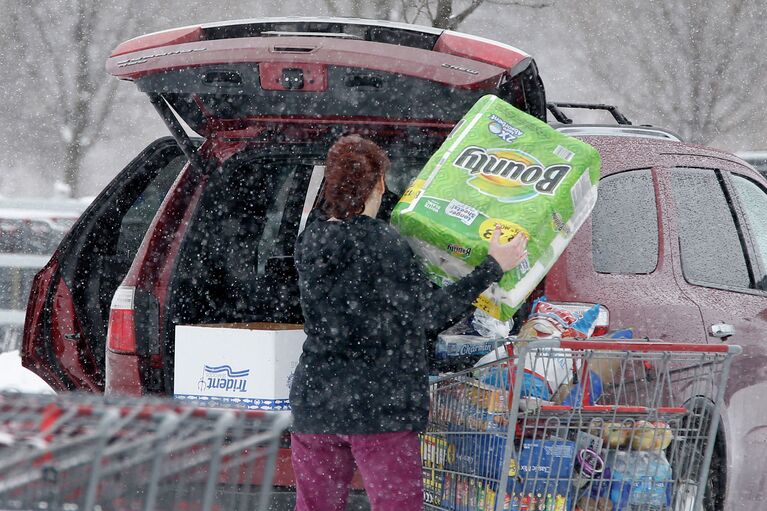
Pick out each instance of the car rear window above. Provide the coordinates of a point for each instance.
(625, 224)
(753, 199)
(136, 220)
(712, 251)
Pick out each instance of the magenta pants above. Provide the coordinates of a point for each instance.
(390, 464)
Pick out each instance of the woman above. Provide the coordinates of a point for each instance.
(360, 392)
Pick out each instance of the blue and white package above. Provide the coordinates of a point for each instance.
(450, 346)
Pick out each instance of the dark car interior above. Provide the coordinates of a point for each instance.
(236, 261)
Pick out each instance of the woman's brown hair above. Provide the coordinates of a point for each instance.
(353, 167)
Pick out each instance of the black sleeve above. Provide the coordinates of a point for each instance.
(435, 308)
(443, 307)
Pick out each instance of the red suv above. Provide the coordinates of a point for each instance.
(202, 230)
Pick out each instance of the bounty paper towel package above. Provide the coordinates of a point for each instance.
(498, 166)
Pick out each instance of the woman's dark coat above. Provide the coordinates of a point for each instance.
(368, 312)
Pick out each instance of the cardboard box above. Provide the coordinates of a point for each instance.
(243, 365)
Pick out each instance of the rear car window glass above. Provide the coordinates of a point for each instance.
(141, 213)
(711, 249)
(753, 199)
(625, 224)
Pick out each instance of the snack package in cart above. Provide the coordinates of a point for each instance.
(499, 166)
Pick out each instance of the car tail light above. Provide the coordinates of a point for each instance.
(602, 324)
(121, 336)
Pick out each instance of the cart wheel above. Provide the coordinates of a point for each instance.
(687, 456)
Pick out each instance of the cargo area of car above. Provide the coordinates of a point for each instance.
(235, 264)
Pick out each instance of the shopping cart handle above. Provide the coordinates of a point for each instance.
(640, 346)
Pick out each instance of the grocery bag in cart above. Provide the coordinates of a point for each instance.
(642, 444)
(499, 166)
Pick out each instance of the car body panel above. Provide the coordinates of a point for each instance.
(745, 414)
(40, 357)
(658, 305)
(401, 34)
(665, 305)
(63, 335)
(123, 375)
(368, 62)
(757, 159)
(151, 271)
(652, 304)
(441, 68)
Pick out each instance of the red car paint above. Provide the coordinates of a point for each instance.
(454, 71)
(477, 48)
(32, 356)
(71, 352)
(164, 38)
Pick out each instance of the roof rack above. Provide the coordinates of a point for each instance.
(560, 116)
(616, 130)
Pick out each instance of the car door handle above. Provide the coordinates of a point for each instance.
(722, 330)
(72, 337)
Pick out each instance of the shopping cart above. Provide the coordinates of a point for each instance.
(588, 425)
(80, 452)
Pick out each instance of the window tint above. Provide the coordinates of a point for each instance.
(711, 248)
(105, 239)
(625, 224)
(137, 219)
(754, 202)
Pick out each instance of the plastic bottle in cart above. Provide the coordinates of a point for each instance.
(645, 477)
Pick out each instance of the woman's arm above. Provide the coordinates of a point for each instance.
(411, 292)
(440, 308)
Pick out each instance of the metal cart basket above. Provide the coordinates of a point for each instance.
(576, 425)
(83, 452)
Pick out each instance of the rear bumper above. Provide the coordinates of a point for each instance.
(122, 375)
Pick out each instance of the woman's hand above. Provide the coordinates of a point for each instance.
(508, 255)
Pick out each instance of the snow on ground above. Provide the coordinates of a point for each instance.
(14, 377)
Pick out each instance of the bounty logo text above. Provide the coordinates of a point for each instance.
(224, 378)
(509, 175)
